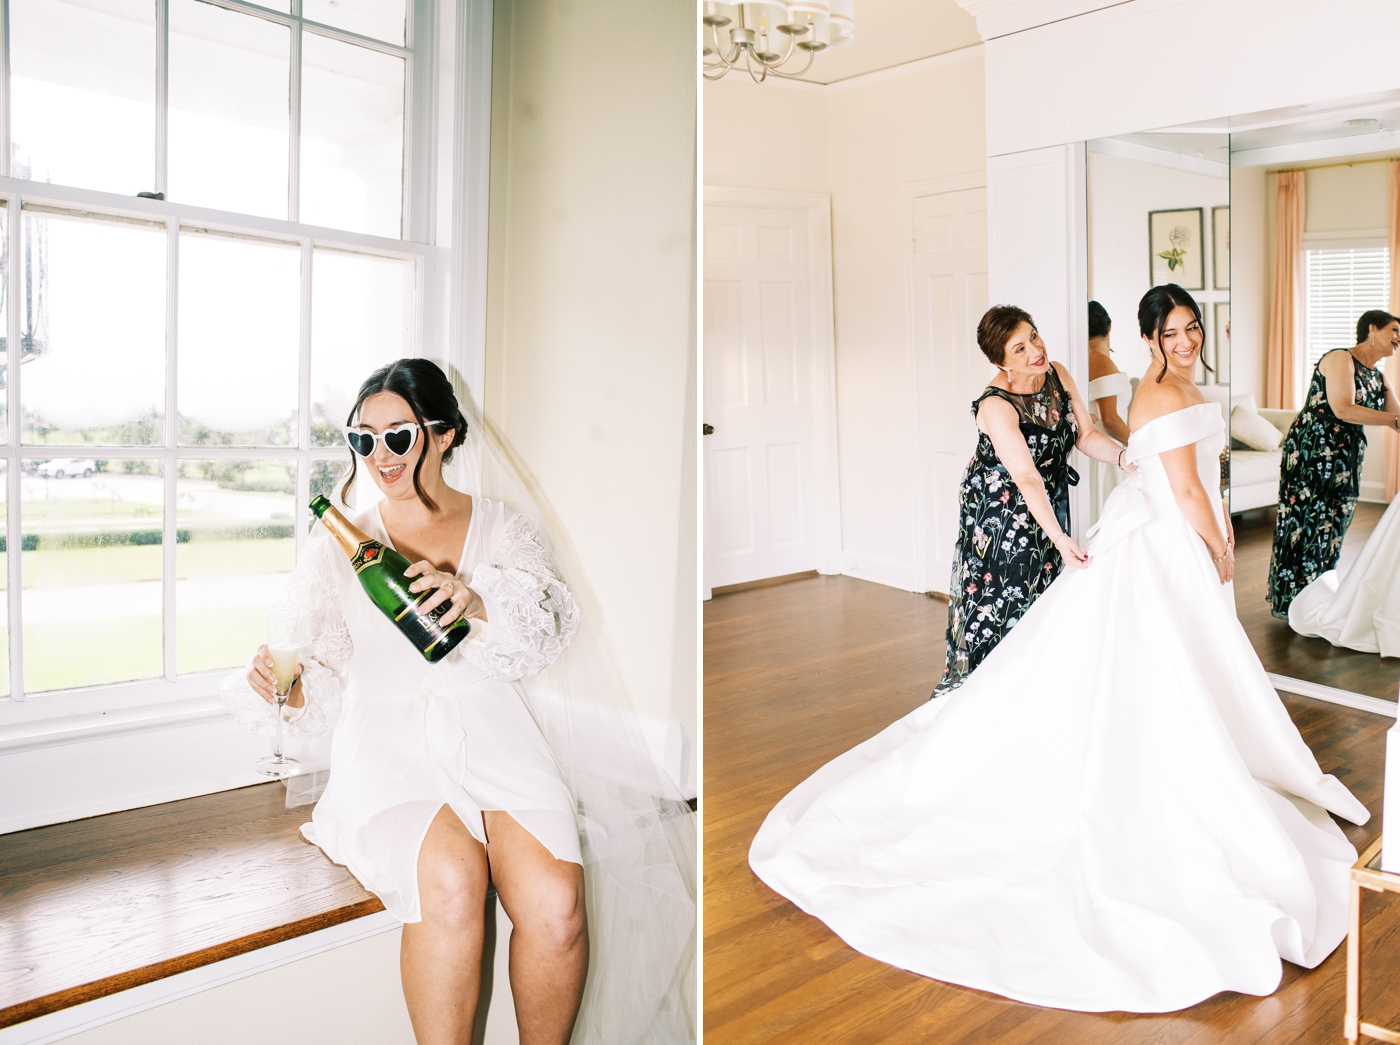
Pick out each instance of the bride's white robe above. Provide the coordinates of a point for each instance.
(409, 736)
(1114, 811)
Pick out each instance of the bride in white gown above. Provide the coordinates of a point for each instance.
(1114, 812)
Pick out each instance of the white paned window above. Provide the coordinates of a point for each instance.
(175, 369)
(250, 109)
(1342, 283)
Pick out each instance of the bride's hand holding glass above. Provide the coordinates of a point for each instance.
(262, 676)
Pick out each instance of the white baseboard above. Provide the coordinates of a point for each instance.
(74, 1019)
(1373, 491)
(892, 573)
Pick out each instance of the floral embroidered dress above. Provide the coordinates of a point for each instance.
(1004, 561)
(1318, 486)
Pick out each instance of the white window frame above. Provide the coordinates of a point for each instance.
(143, 699)
(1360, 239)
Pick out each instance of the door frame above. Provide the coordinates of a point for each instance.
(817, 208)
(910, 191)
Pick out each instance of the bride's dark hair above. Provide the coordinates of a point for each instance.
(1154, 308)
(423, 385)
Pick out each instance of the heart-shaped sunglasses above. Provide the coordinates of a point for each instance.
(398, 440)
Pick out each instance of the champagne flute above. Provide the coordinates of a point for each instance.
(283, 632)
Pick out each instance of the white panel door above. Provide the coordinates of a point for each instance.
(761, 510)
(949, 240)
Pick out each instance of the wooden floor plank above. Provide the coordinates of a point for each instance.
(797, 674)
(96, 906)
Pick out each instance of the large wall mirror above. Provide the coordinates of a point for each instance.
(1314, 227)
(1285, 233)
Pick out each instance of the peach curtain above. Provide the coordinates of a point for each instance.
(1392, 439)
(1285, 323)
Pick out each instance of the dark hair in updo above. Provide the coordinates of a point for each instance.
(1374, 318)
(996, 328)
(1154, 308)
(1098, 320)
(428, 392)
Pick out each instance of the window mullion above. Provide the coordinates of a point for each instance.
(294, 124)
(14, 537)
(301, 513)
(5, 88)
(162, 94)
(170, 470)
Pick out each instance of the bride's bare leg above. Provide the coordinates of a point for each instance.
(549, 939)
(440, 957)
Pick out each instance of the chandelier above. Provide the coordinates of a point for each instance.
(765, 36)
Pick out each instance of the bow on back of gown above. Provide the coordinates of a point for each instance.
(1147, 492)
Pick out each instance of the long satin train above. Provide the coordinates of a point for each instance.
(1114, 812)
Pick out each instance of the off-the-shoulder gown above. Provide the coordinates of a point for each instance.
(411, 736)
(1114, 812)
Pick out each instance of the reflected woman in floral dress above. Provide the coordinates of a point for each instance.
(1013, 537)
(1322, 457)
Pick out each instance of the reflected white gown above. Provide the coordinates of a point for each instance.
(1104, 475)
(1114, 812)
(413, 736)
(1360, 611)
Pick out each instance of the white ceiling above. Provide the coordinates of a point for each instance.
(893, 32)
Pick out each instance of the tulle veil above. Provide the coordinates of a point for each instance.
(638, 832)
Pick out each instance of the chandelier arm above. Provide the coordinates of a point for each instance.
(748, 60)
(791, 46)
(811, 56)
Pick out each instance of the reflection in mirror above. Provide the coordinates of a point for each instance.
(1312, 465)
(1158, 212)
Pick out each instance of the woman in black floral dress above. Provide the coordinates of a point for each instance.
(1322, 455)
(1012, 532)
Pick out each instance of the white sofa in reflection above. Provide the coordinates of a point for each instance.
(1253, 473)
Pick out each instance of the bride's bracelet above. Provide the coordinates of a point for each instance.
(1120, 456)
(1223, 555)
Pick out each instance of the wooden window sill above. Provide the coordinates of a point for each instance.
(97, 906)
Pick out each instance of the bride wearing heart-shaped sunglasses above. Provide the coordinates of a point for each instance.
(447, 778)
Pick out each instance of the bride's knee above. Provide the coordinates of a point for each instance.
(452, 886)
(554, 912)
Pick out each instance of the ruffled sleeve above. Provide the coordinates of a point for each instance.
(325, 654)
(531, 613)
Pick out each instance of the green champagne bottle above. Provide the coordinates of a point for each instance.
(381, 573)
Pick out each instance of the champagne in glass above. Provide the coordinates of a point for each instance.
(283, 632)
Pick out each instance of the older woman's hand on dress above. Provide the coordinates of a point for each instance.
(264, 682)
(1070, 551)
(465, 602)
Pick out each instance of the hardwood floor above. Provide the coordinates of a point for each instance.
(95, 906)
(796, 674)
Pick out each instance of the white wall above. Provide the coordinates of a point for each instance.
(590, 359)
(861, 140)
(1121, 193)
(1251, 271)
(885, 131)
(765, 136)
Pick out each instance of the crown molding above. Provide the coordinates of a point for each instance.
(1003, 17)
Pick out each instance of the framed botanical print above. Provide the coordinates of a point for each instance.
(1176, 247)
(1222, 343)
(1220, 247)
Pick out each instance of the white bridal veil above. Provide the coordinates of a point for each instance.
(637, 832)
